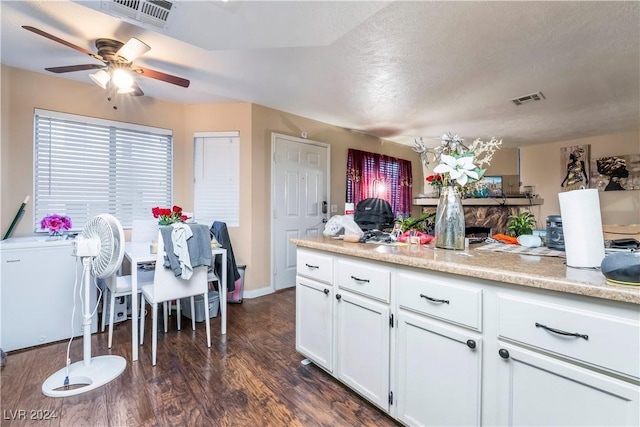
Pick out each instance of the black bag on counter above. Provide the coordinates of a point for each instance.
(373, 214)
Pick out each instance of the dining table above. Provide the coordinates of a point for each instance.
(139, 253)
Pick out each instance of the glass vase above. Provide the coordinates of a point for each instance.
(449, 229)
(55, 235)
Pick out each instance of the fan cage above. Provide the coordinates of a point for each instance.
(108, 231)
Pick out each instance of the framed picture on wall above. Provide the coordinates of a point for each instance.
(616, 173)
(490, 186)
(575, 165)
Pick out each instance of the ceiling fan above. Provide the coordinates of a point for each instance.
(117, 68)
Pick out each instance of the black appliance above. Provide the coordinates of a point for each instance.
(555, 236)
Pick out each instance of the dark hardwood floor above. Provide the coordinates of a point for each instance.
(250, 377)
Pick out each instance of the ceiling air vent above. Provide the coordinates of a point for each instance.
(528, 98)
(152, 12)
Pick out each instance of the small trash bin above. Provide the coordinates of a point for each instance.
(214, 305)
(236, 295)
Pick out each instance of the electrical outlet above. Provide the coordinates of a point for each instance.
(334, 208)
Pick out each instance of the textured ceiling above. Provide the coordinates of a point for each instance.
(399, 70)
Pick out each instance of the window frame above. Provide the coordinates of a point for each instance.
(121, 134)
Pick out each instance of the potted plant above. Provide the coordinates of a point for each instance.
(520, 224)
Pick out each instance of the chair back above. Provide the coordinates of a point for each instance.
(166, 286)
(144, 230)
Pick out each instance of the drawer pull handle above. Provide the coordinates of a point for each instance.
(471, 344)
(559, 332)
(360, 280)
(503, 353)
(338, 296)
(446, 301)
(312, 266)
(326, 291)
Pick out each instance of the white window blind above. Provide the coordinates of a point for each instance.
(85, 167)
(217, 178)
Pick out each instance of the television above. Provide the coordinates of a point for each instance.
(493, 185)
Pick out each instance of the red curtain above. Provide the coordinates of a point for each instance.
(377, 175)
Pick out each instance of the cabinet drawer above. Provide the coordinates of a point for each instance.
(442, 297)
(609, 342)
(315, 266)
(372, 280)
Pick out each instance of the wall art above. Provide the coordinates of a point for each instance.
(575, 166)
(615, 173)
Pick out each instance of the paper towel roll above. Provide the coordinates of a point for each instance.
(582, 228)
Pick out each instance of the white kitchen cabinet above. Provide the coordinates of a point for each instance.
(314, 307)
(538, 390)
(438, 373)
(314, 321)
(362, 346)
(37, 287)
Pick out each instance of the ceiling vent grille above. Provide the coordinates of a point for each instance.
(152, 12)
(538, 96)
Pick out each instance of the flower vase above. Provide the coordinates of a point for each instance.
(55, 235)
(449, 228)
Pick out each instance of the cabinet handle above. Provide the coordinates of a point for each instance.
(471, 344)
(312, 266)
(446, 301)
(360, 280)
(338, 296)
(503, 353)
(559, 332)
(14, 260)
(326, 291)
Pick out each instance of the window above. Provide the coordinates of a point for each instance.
(217, 178)
(85, 167)
(377, 175)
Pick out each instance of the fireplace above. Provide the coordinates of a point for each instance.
(483, 221)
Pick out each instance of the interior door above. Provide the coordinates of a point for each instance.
(299, 200)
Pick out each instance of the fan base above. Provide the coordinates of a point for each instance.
(101, 370)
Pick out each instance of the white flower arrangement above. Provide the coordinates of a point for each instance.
(458, 163)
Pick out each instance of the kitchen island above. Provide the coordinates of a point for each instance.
(440, 337)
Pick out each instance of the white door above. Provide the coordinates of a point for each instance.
(314, 321)
(300, 175)
(362, 341)
(438, 373)
(539, 390)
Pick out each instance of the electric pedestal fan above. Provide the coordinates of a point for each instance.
(100, 246)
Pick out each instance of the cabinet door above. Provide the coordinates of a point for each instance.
(535, 389)
(314, 321)
(363, 346)
(438, 373)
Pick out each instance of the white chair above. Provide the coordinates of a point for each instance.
(167, 287)
(120, 286)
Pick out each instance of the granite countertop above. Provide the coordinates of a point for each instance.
(527, 270)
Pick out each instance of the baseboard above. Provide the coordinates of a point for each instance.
(255, 293)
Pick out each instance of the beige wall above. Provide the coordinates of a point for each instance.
(265, 121)
(24, 91)
(541, 166)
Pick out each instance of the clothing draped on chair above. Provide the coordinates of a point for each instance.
(219, 231)
(198, 247)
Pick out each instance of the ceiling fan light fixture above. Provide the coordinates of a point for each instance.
(101, 78)
(126, 89)
(133, 49)
(122, 79)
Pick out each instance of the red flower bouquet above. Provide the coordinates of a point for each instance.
(435, 180)
(166, 216)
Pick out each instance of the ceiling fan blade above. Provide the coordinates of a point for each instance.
(70, 68)
(64, 42)
(162, 76)
(133, 49)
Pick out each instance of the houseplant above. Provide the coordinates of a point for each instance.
(520, 224)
